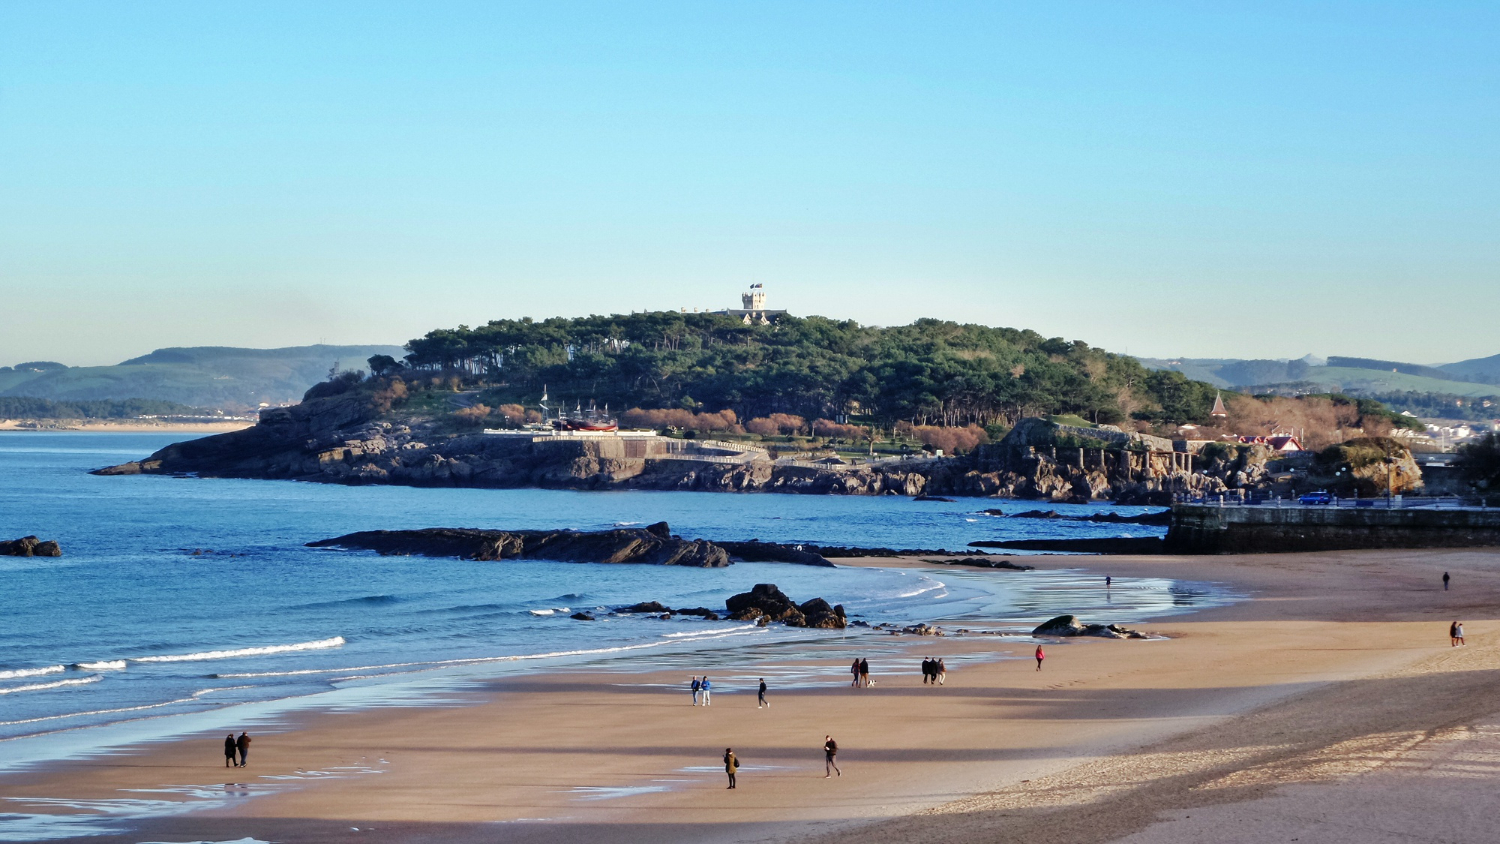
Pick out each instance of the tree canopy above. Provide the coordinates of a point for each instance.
(928, 372)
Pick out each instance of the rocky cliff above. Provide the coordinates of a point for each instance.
(345, 439)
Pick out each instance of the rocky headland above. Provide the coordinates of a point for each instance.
(350, 439)
(29, 546)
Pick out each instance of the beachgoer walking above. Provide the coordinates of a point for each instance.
(1039, 657)
(243, 744)
(854, 669)
(705, 687)
(697, 689)
(864, 673)
(1445, 581)
(940, 671)
(1107, 581)
(731, 765)
(926, 670)
(760, 699)
(1453, 635)
(1458, 633)
(229, 749)
(830, 760)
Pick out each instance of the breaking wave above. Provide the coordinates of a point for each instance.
(320, 644)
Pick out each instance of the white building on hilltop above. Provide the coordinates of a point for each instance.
(754, 311)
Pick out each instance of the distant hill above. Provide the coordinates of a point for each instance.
(1486, 370)
(1402, 386)
(204, 376)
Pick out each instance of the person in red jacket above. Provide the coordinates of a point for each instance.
(1039, 657)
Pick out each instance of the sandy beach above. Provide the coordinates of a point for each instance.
(1327, 704)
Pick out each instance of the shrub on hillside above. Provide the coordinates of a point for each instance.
(674, 417)
(777, 424)
(950, 440)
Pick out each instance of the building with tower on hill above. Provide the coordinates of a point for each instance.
(753, 310)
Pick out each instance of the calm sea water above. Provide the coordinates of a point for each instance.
(180, 595)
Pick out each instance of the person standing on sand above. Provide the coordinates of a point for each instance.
(1458, 634)
(243, 744)
(705, 687)
(864, 673)
(229, 748)
(926, 670)
(760, 699)
(940, 671)
(854, 669)
(1445, 581)
(1039, 657)
(830, 754)
(696, 688)
(731, 765)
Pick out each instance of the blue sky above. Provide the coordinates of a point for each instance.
(1237, 180)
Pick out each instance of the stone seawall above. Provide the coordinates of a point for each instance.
(1204, 529)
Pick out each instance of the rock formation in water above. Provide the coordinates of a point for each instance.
(30, 546)
(765, 603)
(1065, 626)
(653, 545)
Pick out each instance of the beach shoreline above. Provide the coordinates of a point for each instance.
(623, 756)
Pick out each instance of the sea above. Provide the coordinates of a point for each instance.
(184, 598)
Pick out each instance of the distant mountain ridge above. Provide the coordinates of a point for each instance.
(1403, 386)
(222, 377)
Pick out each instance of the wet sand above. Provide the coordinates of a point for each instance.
(1307, 709)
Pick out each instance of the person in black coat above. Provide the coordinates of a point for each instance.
(229, 749)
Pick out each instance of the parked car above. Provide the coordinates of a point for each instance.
(1322, 496)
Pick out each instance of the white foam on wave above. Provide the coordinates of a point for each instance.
(320, 644)
(194, 697)
(449, 663)
(55, 684)
(711, 634)
(106, 665)
(928, 586)
(542, 612)
(18, 673)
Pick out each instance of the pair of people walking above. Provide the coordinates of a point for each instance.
(830, 762)
(234, 745)
(1456, 634)
(861, 671)
(934, 671)
(702, 690)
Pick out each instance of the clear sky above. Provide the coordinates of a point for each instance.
(1197, 179)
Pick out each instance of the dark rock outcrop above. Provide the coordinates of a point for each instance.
(1099, 545)
(767, 603)
(623, 545)
(581, 616)
(1067, 626)
(756, 551)
(983, 563)
(30, 546)
(655, 607)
